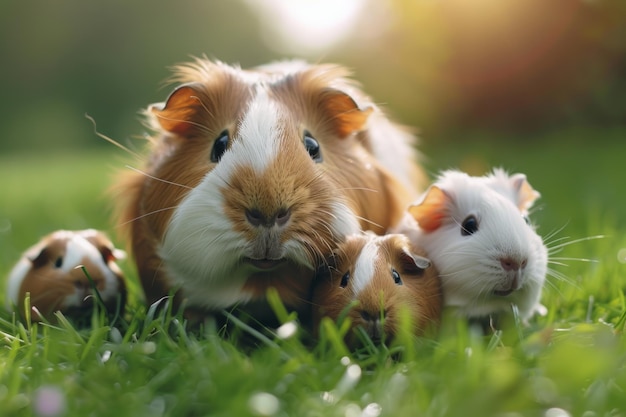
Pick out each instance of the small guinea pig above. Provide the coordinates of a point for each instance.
(254, 176)
(476, 231)
(48, 271)
(383, 274)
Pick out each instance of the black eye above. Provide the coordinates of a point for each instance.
(526, 219)
(396, 277)
(58, 262)
(219, 146)
(344, 280)
(312, 147)
(469, 226)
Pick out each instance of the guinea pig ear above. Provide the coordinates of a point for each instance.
(431, 211)
(412, 263)
(41, 258)
(342, 112)
(183, 111)
(111, 254)
(525, 193)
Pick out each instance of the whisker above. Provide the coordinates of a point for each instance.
(357, 189)
(564, 244)
(555, 232)
(561, 277)
(146, 215)
(368, 221)
(206, 109)
(158, 179)
(551, 260)
(557, 263)
(108, 139)
(202, 127)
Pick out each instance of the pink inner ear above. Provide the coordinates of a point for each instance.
(431, 212)
(343, 112)
(526, 194)
(181, 113)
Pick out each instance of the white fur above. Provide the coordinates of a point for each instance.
(397, 143)
(364, 267)
(78, 249)
(259, 135)
(14, 283)
(344, 221)
(470, 266)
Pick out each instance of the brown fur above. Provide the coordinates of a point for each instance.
(213, 97)
(48, 286)
(420, 293)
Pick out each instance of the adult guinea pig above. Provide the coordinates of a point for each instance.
(253, 176)
(476, 231)
(371, 279)
(50, 272)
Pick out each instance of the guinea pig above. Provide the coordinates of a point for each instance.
(477, 232)
(253, 176)
(50, 271)
(371, 279)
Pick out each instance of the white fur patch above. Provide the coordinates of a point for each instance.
(201, 250)
(79, 248)
(344, 220)
(365, 266)
(16, 277)
(259, 134)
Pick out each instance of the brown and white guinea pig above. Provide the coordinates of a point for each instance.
(50, 271)
(253, 176)
(476, 231)
(375, 277)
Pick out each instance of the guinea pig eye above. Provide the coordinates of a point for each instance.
(396, 277)
(469, 226)
(219, 146)
(312, 147)
(58, 263)
(526, 219)
(344, 280)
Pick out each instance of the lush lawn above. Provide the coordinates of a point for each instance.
(570, 363)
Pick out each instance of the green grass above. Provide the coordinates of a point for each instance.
(571, 362)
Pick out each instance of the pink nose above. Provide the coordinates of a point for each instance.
(510, 264)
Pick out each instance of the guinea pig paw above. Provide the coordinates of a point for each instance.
(541, 309)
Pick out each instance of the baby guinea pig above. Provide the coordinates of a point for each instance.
(48, 271)
(254, 176)
(383, 274)
(476, 231)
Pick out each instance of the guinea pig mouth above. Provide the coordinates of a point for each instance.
(264, 264)
(503, 293)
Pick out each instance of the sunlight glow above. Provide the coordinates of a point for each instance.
(307, 25)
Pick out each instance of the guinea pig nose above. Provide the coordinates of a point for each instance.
(282, 217)
(510, 264)
(257, 218)
(369, 316)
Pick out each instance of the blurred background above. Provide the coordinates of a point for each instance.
(532, 85)
(449, 67)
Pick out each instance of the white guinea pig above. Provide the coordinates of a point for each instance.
(48, 271)
(254, 176)
(371, 279)
(477, 233)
